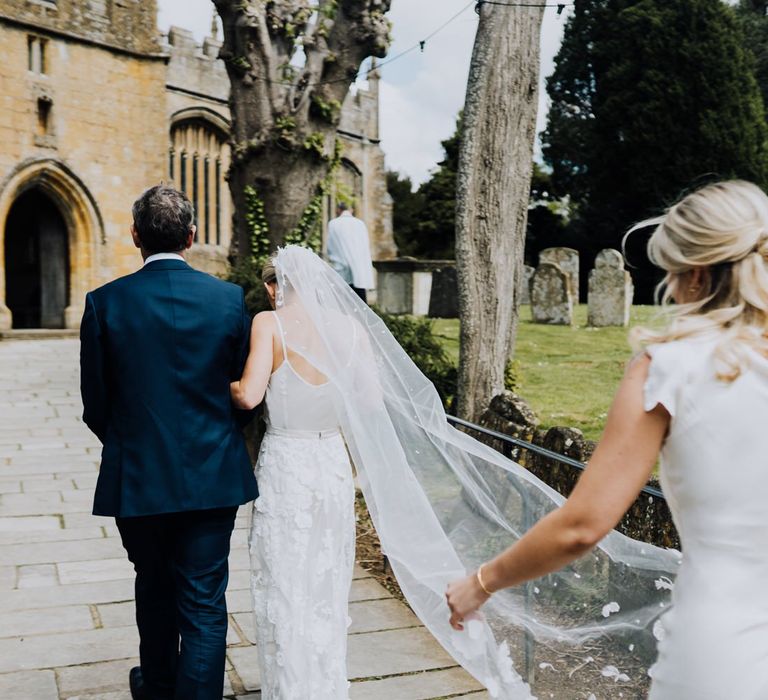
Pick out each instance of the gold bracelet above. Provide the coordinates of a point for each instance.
(479, 577)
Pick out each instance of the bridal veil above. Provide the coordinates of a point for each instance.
(443, 503)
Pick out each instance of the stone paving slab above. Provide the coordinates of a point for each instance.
(418, 686)
(67, 649)
(40, 685)
(26, 623)
(67, 628)
(60, 535)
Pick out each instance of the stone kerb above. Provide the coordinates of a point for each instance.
(611, 291)
(551, 298)
(567, 259)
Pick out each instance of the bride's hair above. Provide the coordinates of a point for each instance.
(721, 229)
(268, 272)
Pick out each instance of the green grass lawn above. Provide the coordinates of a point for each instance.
(568, 375)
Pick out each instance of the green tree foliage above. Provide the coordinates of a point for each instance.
(408, 208)
(649, 99)
(425, 220)
(417, 337)
(753, 17)
(547, 217)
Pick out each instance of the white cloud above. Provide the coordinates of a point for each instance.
(422, 92)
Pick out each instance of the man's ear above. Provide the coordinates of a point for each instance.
(135, 237)
(191, 237)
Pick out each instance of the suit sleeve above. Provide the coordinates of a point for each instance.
(93, 387)
(243, 340)
(241, 355)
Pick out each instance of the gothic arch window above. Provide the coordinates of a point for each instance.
(198, 161)
(349, 185)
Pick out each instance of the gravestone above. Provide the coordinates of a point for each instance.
(551, 298)
(417, 287)
(567, 259)
(444, 298)
(525, 284)
(610, 291)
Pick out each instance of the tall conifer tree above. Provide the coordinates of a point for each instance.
(650, 98)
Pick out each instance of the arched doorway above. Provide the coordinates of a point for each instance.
(36, 262)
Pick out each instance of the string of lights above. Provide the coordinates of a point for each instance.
(422, 43)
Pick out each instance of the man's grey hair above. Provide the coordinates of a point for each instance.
(163, 218)
(342, 206)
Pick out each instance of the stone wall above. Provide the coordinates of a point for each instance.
(129, 25)
(648, 519)
(99, 150)
(364, 160)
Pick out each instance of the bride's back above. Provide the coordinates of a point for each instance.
(299, 396)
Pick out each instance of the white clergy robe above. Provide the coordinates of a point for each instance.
(349, 250)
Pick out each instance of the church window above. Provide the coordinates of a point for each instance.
(199, 158)
(43, 116)
(37, 49)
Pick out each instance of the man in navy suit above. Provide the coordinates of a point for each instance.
(159, 349)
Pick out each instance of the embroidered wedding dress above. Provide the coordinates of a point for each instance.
(302, 541)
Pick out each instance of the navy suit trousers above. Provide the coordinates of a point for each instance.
(181, 612)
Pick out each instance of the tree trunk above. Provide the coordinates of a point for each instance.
(493, 190)
(290, 65)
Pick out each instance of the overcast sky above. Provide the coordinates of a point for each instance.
(421, 92)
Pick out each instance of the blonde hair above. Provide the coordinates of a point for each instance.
(721, 228)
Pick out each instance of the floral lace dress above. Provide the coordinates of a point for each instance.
(302, 543)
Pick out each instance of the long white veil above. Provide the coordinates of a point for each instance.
(442, 503)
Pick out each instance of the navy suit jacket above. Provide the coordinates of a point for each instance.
(158, 351)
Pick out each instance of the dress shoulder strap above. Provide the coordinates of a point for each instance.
(282, 335)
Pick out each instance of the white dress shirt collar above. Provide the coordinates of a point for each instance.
(163, 256)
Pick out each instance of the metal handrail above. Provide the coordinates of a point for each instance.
(543, 451)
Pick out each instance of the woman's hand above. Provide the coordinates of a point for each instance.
(465, 597)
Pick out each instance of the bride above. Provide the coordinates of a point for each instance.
(302, 538)
(336, 383)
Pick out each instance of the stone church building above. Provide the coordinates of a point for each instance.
(97, 106)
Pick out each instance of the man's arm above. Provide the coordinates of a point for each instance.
(93, 387)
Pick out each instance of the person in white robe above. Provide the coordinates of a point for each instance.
(349, 250)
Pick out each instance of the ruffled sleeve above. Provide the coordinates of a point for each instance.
(665, 376)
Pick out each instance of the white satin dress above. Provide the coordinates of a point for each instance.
(302, 542)
(714, 472)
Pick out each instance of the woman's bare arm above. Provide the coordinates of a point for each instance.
(618, 470)
(248, 392)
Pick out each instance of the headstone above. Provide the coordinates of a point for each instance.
(567, 259)
(444, 299)
(610, 291)
(405, 286)
(551, 299)
(525, 284)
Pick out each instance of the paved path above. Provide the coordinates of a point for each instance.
(66, 588)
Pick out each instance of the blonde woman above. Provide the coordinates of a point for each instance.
(698, 395)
